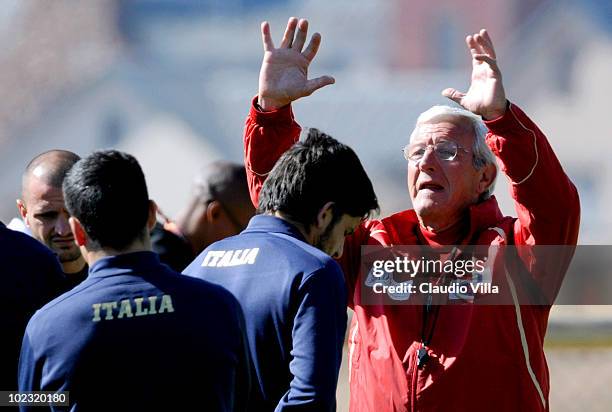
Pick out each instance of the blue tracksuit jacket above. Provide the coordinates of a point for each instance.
(135, 335)
(294, 300)
(31, 276)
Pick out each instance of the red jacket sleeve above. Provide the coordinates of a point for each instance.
(546, 201)
(267, 135)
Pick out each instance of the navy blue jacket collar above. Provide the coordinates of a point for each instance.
(273, 224)
(139, 262)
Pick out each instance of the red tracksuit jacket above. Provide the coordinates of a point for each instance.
(482, 358)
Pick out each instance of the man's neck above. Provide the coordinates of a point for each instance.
(308, 235)
(445, 231)
(92, 256)
(74, 266)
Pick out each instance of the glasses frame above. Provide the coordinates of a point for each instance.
(433, 147)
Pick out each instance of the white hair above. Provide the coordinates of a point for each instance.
(482, 153)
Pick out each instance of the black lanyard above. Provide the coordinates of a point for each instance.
(434, 310)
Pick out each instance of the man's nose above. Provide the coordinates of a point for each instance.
(429, 159)
(62, 227)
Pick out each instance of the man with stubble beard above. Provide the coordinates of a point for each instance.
(43, 210)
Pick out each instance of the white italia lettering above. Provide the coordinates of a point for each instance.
(228, 258)
(166, 304)
(250, 259)
(128, 308)
(238, 257)
(212, 257)
(108, 307)
(125, 309)
(139, 310)
(152, 300)
(96, 309)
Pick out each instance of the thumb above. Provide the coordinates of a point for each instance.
(453, 94)
(315, 84)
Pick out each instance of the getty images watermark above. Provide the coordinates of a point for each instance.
(485, 275)
(400, 273)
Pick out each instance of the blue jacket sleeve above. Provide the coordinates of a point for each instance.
(29, 373)
(318, 336)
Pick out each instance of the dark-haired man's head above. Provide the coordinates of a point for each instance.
(107, 196)
(219, 207)
(320, 186)
(42, 206)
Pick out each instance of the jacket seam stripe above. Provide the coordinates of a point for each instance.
(352, 349)
(535, 147)
(519, 322)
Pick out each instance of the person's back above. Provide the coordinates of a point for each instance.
(31, 276)
(134, 335)
(279, 279)
(282, 272)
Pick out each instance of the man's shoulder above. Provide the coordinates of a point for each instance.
(29, 267)
(211, 291)
(262, 250)
(21, 245)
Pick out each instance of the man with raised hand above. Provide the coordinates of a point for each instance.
(457, 357)
(134, 335)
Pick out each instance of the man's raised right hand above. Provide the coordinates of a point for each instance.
(284, 71)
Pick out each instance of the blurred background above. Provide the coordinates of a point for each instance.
(171, 83)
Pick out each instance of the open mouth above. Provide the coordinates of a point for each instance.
(434, 187)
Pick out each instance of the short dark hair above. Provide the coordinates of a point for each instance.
(107, 192)
(223, 181)
(316, 171)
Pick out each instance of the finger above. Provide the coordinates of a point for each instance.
(487, 59)
(478, 43)
(289, 33)
(313, 47)
(300, 37)
(471, 43)
(268, 44)
(453, 94)
(488, 43)
(313, 85)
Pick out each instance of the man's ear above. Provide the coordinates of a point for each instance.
(80, 236)
(487, 178)
(325, 216)
(152, 218)
(213, 210)
(23, 211)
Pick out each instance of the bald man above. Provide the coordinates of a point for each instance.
(219, 207)
(43, 210)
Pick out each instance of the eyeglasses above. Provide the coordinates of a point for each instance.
(444, 150)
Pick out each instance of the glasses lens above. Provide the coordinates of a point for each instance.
(446, 150)
(414, 153)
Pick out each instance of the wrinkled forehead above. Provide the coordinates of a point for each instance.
(38, 191)
(444, 127)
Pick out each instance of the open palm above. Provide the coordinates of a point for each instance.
(284, 71)
(486, 95)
